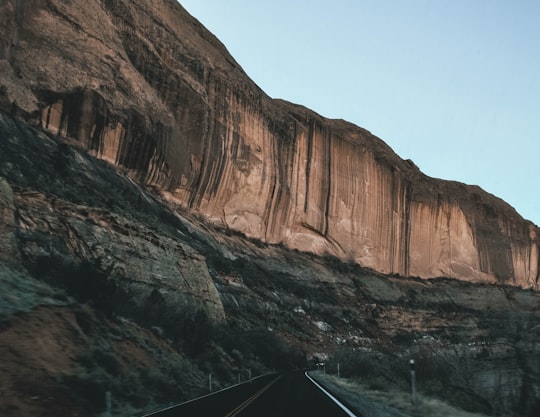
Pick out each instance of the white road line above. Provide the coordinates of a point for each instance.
(349, 412)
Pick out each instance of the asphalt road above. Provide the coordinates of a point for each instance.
(278, 395)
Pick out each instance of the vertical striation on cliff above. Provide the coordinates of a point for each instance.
(144, 86)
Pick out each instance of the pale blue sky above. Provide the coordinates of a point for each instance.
(453, 85)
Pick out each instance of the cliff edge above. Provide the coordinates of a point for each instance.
(146, 87)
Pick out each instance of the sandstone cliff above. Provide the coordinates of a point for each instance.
(110, 258)
(59, 219)
(144, 86)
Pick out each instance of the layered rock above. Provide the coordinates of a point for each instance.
(144, 86)
(60, 239)
(74, 221)
(8, 244)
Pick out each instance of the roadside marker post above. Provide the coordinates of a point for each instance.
(108, 403)
(413, 380)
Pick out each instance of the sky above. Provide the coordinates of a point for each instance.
(453, 85)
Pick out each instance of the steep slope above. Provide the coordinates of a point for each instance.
(144, 86)
(103, 286)
(59, 218)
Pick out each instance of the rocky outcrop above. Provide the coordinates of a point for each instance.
(92, 231)
(8, 243)
(67, 241)
(144, 86)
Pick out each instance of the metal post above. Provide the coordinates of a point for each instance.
(413, 380)
(238, 375)
(210, 382)
(338, 373)
(249, 373)
(108, 403)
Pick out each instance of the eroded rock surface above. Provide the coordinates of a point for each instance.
(144, 86)
(80, 225)
(65, 237)
(8, 243)
(117, 252)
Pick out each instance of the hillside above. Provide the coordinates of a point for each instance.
(162, 220)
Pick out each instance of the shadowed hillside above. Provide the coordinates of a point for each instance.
(163, 220)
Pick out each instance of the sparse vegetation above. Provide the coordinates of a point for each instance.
(19, 292)
(197, 347)
(388, 402)
(499, 377)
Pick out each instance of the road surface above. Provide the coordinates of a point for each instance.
(277, 395)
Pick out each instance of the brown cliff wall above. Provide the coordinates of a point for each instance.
(143, 85)
(77, 223)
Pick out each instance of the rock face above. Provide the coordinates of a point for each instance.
(59, 218)
(8, 243)
(144, 86)
(147, 266)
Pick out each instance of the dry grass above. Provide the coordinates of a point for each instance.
(390, 403)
